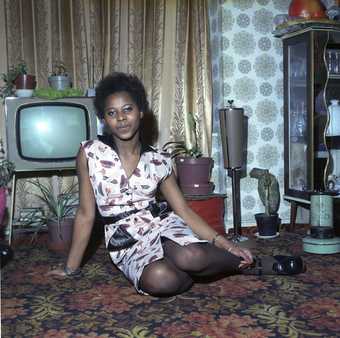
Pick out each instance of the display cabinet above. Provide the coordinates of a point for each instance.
(311, 113)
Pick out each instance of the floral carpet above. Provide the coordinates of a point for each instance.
(102, 303)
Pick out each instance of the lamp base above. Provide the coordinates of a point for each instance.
(321, 246)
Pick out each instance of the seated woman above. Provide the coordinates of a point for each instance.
(160, 251)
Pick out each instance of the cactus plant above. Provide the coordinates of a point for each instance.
(268, 189)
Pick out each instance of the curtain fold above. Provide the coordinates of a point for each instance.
(164, 42)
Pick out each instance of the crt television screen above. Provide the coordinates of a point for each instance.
(52, 131)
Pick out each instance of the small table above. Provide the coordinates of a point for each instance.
(210, 207)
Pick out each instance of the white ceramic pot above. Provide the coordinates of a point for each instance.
(334, 118)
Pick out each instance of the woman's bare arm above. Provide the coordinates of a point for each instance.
(84, 218)
(175, 198)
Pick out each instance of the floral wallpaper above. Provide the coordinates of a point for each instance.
(247, 62)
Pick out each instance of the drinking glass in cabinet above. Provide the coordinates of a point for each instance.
(334, 118)
(333, 61)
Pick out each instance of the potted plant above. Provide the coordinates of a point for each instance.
(59, 79)
(59, 215)
(193, 170)
(18, 80)
(6, 172)
(269, 192)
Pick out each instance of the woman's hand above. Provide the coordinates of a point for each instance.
(64, 272)
(245, 254)
(58, 271)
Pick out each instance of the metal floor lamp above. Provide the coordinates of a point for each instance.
(232, 137)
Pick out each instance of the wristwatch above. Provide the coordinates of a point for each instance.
(69, 272)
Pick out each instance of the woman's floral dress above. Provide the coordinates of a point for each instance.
(116, 193)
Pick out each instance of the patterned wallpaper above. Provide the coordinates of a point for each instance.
(247, 68)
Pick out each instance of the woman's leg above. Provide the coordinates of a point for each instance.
(204, 259)
(163, 278)
(201, 259)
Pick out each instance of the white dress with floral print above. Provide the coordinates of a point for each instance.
(116, 193)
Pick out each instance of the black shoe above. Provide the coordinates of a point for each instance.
(276, 265)
(6, 254)
(288, 265)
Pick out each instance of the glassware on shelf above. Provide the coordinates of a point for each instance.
(333, 61)
(301, 120)
(334, 118)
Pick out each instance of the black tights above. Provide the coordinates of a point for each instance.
(174, 274)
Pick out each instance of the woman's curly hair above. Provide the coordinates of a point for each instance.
(120, 82)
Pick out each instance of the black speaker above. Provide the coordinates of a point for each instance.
(232, 136)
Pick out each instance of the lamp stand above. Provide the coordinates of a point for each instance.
(235, 179)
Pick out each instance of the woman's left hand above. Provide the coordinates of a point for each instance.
(245, 254)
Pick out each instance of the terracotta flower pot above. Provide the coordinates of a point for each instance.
(2, 206)
(194, 175)
(309, 9)
(25, 81)
(60, 237)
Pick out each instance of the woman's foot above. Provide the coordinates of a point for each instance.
(276, 265)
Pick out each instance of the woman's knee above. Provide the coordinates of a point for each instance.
(162, 280)
(193, 257)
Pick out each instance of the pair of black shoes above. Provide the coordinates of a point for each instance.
(276, 265)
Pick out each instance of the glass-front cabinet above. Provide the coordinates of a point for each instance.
(311, 112)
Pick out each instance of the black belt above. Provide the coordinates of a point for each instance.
(160, 209)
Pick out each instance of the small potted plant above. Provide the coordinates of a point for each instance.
(193, 170)
(6, 173)
(269, 192)
(59, 79)
(18, 80)
(59, 215)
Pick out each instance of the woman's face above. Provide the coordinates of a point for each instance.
(122, 116)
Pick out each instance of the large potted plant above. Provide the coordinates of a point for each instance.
(59, 214)
(59, 79)
(193, 170)
(269, 192)
(6, 173)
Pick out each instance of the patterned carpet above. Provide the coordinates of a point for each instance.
(103, 304)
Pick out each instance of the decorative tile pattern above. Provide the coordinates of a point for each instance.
(248, 68)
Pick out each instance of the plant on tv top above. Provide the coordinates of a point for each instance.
(8, 78)
(59, 69)
(180, 148)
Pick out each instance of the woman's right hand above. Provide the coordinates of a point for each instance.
(59, 272)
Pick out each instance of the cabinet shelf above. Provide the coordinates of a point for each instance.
(333, 142)
(334, 76)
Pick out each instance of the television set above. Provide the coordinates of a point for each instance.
(43, 135)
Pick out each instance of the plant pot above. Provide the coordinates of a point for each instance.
(60, 237)
(25, 81)
(2, 206)
(267, 225)
(308, 9)
(59, 82)
(194, 175)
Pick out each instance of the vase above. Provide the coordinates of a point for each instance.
(334, 118)
(59, 82)
(308, 9)
(2, 204)
(60, 235)
(267, 225)
(194, 175)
